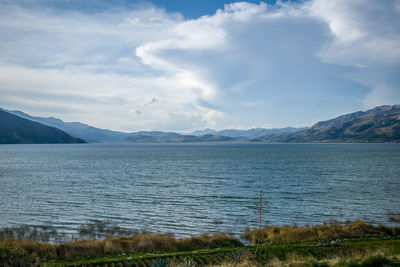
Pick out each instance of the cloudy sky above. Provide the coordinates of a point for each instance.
(183, 65)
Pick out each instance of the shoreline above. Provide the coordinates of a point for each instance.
(326, 239)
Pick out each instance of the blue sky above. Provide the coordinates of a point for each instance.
(187, 65)
(190, 9)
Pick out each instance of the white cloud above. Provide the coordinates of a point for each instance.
(105, 99)
(53, 39)
(381, 95)
(245, 65)
(289, 53)
(365, 32)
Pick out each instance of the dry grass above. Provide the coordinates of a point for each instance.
(146, 243)
(331, 231)
(346, 258)
(299, 260)
(113, 245)
(102, 238)
(292, 260)
(244, 263)
(338, 260)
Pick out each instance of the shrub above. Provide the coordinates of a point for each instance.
(375, 261)
(15, 257)
(187, 262)
(160, 263)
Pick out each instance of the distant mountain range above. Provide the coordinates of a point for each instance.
(16, 130)
(170, 137)
(246, 134)
(93, 135)
(381, 124)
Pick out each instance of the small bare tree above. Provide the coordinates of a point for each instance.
(260, 204)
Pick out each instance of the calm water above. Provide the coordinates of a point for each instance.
(188, 189)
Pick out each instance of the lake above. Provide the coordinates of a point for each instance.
(188, 189)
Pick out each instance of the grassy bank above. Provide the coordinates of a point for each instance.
(350, 253)
(327, 231)
(42, 252)
(331, 244)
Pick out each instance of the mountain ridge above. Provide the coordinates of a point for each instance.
(380, 124)
(17, 130)
(81, 130)
(248, 133)
(93, 134)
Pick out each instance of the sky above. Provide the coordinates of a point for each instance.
(184, 65)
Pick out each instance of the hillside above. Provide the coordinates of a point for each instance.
(80, 130)
(16, 130)
(378, 125)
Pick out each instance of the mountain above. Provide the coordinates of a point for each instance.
(151, 136)
(80, 130)
(246, 134)
(378, 125)
(203, 132)
(171, 137)
(255, 132)
(202, 138)
(381, 110)
(92, 134)
(16, 130)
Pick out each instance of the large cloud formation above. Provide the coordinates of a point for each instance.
(247, 65)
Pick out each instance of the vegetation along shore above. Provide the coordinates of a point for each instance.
(330, 244)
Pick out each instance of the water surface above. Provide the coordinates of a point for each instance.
(187, 189)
